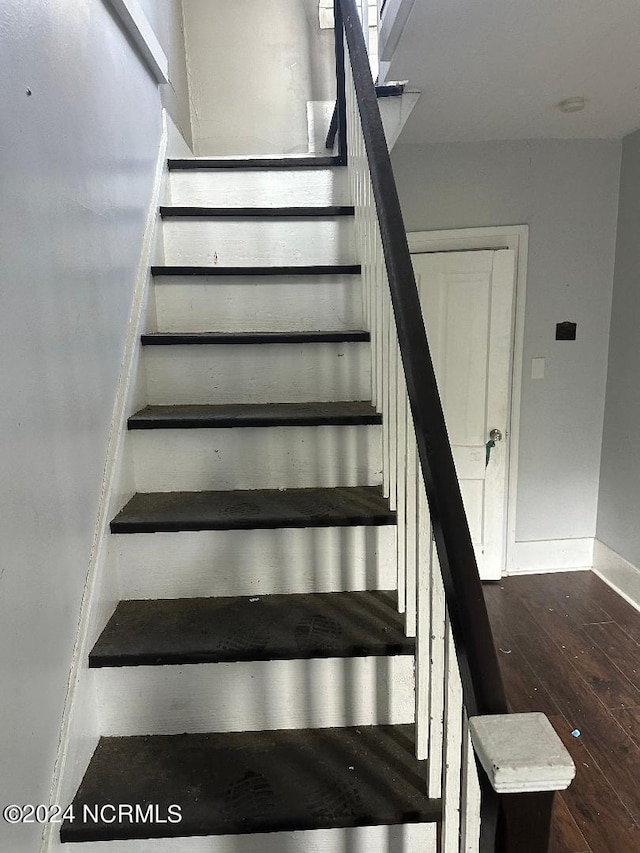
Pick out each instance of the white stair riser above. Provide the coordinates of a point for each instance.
(258, 373)
(255, 562)
(258, 242)
(258, 303)
(276, 188)
(256, 458)
(405, 838)
(255, 695)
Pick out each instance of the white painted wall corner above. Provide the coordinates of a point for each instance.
(176, 145)
(621, 575)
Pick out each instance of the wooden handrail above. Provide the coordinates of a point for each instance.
(510, 823)
(483, 691)
(479, 668)
(339, 118)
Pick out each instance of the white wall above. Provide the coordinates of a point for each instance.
(79, 156)
(619, 506)
(566, 191)
(253, 65)
(165, 17)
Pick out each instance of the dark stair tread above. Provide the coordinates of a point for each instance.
(342, 506)
(175, 211)
(255, 415)
(267, 627)
(195, 338)
(253, 163)
(265, 781)
(314, 269)
(390, 90)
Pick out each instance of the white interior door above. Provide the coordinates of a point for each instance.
(467, 302)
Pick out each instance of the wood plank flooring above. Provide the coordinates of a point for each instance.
(569, 646)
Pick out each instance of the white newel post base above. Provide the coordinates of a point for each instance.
(521, 753)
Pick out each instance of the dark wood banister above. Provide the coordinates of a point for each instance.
(480, 672)
(510, 823)
(339, 118)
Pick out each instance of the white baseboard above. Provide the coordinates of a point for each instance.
(550, 555)
(79, 730)
(614, 570)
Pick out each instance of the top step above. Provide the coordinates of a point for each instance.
(253, 163)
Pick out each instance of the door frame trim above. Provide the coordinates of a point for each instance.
(514, 237)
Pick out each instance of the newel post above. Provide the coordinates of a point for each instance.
(526, 762)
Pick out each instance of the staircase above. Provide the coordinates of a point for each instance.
(300, 659)
(255, 683)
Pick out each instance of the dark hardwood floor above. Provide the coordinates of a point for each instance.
(569, 646)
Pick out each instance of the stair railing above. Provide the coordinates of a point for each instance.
(457, 672)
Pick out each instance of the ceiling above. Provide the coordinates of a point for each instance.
(496, 69)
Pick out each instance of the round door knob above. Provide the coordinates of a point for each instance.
(495, 435)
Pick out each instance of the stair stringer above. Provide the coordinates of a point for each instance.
(80, 729)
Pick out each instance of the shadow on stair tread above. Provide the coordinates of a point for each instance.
(192, 416)
(261, 781)
(243, 628)
(339, 506)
